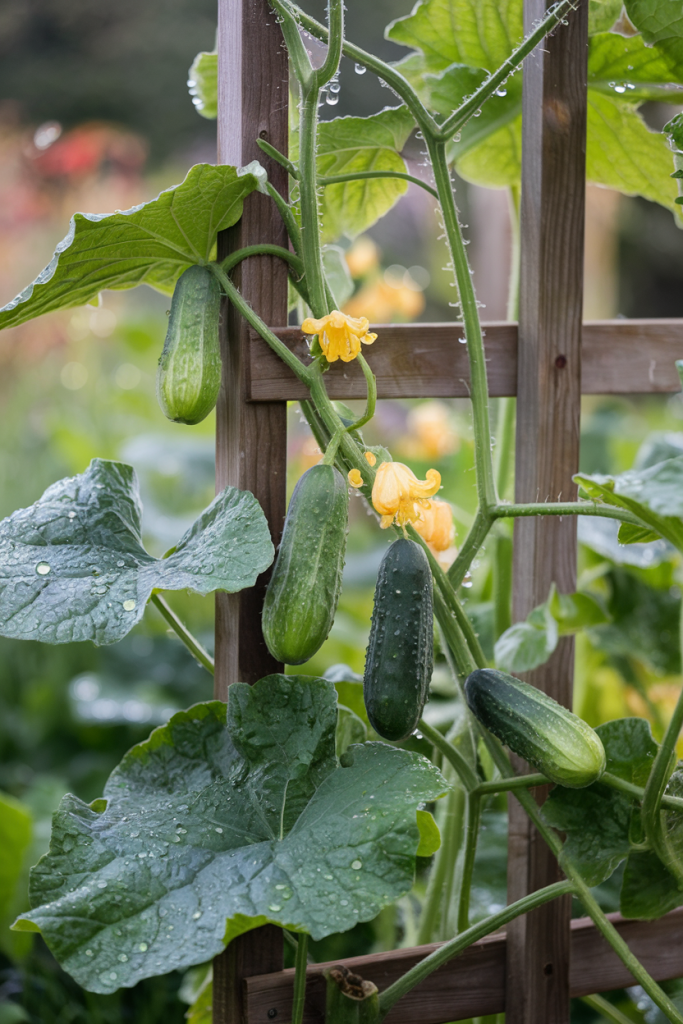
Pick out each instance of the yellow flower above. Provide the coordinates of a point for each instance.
(371, 458)
(431, 432)
(355, 479)
(399, 496)
(362, 257)
(436, 525)
(339, 335)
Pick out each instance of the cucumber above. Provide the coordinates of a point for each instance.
(552, 739)
(400, 654)
(189, 372)
(301, 597)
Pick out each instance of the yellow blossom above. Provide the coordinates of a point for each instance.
(399, 496)
(340, 335)
(436, 525)
(355, 479)
(362, 257)
(385, 303)
(371, 458)
(431, 432)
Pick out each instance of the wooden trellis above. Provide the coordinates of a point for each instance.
(548, 361)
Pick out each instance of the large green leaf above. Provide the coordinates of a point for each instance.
(228, 817)
(596, 820)
(602, 14)
(72, 566)
(481, 33)
(661, 22)
(203, 84)
(149, 244)
(625, 66)
(348, 144)
(655, 494)
(649, 889)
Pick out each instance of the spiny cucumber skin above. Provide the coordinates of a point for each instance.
(400, 654)
(301, 598)
(552, 739)
(189, 372)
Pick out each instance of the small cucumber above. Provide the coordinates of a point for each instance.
(189, 372)
(301, 597)
(400, 654)
(536, 727)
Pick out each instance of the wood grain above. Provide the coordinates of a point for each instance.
(474, 983)
(618, 357)
(250, 439)
(547, 454)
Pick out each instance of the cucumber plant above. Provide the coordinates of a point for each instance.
(276, 808)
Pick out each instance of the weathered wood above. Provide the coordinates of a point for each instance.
(618, 357)
(547, 454)
(473, 984)
(250, 439)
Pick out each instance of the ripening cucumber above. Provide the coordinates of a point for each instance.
(533, 725)
(189, 372)
(303, 591)
(400, 655)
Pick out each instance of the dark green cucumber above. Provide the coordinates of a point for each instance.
(189, 372)
(400, 654)
(303, 591)
(552, 739)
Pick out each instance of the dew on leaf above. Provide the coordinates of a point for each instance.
(128, 605)
(43, 568)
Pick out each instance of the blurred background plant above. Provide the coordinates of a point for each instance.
(95, 116)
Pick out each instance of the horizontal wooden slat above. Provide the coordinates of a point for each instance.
(474, 983)
(619, 357)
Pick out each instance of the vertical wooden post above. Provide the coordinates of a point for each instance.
(549, 398)
(251, 439)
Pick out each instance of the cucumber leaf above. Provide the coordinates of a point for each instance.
(597, 820)
(348, 144)
(526, 645)
(661, 23)
(602, 14)
(203, 84)
(654, 494)
(16, 828)
(149, 244)
(226, 818)
(72, 566)
(430, 837)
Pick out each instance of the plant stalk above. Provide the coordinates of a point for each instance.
(301, 962)
(193, 645)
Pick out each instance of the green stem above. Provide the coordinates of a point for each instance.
(674, 803)
(371, 402)
(478, 532)
(193, 645)
(470, 106)
(300, 964)
(434, 916)
(335, 36)
(566, 508)
(507, 785)
(336, 179)
(440, 956)
(654, 819)
(486, 488)
(278, 157)
(471, 835)
(330, 456)
(462, 655)
(308, 200)
(302, 372)
(505, 443)
(606, 1009)
(287, 214)
(231, 261)
(452, 755)
(502, 582)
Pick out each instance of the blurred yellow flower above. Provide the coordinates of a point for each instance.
(371, 458)
(437, 529)
(399, 496)
(355, 479)
(340, 335)
(362, 257)
(431, 434)
(310, 454)
(383, 302)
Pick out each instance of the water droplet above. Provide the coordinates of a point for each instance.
(43, 568)
(89, 952)
(120, 563)
(128, 605)
(143, 947)
(123, 958)
(334, 86)
(501, 91)
(72, 514)
(357, 865)
(331, 99)
(101, 885)
(274, 907)
(359, 69)
(344, 903)
(113, 975)
(197, 915)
